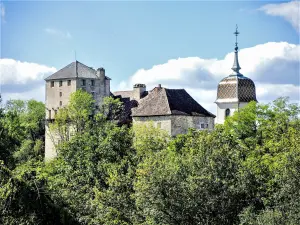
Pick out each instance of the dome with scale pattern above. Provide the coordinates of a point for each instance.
(236, 88)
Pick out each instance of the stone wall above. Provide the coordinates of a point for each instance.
(176, 124)
(181, 124)
(164, 122)
(58, 96)
(50, 141)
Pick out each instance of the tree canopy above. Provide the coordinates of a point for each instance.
(243, 172)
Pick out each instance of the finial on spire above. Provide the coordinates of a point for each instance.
(236, 33)
(236, 66)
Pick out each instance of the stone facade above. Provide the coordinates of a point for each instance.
(59, 89)
(177, 124)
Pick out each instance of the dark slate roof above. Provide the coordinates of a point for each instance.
(128, 104)
(73, 70)
(236, 87)
(129, 94)
(163, 101)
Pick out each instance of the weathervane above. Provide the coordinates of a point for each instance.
(236, 33)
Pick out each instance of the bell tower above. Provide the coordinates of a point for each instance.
(235, 90)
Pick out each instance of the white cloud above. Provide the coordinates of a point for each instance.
(274, 67)
(58, 33)
(289, 11)
(17, 72)
(23, 79)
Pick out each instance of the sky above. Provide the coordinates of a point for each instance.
(178, 44)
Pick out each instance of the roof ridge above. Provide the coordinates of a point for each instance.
(167, 100)
(59, 70)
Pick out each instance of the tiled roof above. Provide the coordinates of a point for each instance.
(73, 70)
(163, 101)
(236, 87)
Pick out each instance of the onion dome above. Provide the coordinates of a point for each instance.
(236, 87)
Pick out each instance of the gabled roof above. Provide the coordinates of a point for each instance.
(73, 70)
(163, 101)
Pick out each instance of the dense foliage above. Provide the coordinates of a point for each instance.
(246, 171)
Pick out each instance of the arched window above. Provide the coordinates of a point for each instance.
(227, 112)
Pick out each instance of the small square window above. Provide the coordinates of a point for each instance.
(60, 83)
(202, 126)
(92, 82)
(60, 94)
(60, 103)
(83, 83)
(69, 82)
(52, 84)
(49, 111)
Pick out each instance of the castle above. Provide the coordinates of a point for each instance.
(173, 110)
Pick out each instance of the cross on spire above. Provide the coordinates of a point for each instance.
(236, 66)
(236, 33)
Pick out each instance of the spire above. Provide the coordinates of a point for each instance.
(236, 66)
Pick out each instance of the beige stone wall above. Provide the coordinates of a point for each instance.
(181, 124)
(176, 124)
(100, 90)
(53, 97)
(50, 142)
(164, 122)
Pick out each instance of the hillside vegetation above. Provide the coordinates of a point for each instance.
(246, 171)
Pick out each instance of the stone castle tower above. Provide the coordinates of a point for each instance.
(61, 84)
(234, 91)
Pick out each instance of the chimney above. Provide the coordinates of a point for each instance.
(101, 74)
(138, 90)
(159, 85)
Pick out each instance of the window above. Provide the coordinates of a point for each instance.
(60, 83)
(83, 82)
(69, 82)
(60, 94)
(49, 111)
(203, 126)
(55, 112)
(52, 83)
(227, 112)
(92, 82)
(159, 125)
(60, 103)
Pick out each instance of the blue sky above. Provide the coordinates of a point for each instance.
(125, 37)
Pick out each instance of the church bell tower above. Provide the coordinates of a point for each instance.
(235, 90)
